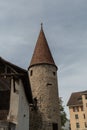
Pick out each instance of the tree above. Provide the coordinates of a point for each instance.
(62, 113)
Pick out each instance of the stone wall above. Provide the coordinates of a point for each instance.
(43, 79)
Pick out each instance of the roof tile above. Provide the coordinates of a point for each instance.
(42, 53)
(75, 98)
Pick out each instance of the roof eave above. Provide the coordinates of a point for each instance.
(42, 64)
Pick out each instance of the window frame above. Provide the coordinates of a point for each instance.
(77, 125)
(76, 116)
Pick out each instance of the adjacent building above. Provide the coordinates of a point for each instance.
(78, 110)
(15, 97)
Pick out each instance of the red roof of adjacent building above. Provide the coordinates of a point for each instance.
(76, 98)
(42, 53)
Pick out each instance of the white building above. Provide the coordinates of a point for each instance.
(15, 97)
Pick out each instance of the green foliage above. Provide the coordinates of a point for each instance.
(62, 113)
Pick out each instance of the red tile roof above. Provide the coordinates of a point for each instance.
(75, 98)
(42, 53)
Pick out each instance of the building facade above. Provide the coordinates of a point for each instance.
(78, 110)
(15, 97)
(44, 86)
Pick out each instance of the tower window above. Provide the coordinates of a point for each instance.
(54, 73)
(49, 84)
(31, 72)
(55, 126)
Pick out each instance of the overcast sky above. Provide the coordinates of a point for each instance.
(65, 27)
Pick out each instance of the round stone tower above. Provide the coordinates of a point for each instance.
(45, 114)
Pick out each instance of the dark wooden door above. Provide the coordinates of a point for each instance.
(55, 126)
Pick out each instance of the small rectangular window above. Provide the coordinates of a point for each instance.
(75, 109)
(84, 116)
(31, 72)
(85, 124)
(54, 73)
(76, 116)
(77, 125)
(49, 84)
(81, 108)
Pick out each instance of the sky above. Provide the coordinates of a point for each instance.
(65, 27)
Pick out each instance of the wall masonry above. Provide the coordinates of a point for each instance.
(43, 79)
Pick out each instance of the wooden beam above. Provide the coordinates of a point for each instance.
(11, 74)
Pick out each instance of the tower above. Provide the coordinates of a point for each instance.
(43, 79)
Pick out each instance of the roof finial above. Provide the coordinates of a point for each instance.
(41, 25)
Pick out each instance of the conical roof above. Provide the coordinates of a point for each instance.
(42, 53)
